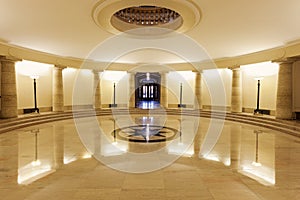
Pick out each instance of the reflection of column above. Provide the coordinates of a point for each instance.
(198, 92)
(58, 92)
(131, 90)
(97, 90)
(236, 91)
(235, 146)
(58, 131)
(197, 140)
(9, 106)
(163, 90)
(284, 91)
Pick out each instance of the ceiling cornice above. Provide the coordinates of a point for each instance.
(287, 51)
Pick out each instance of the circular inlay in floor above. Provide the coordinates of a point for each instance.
(145, 133)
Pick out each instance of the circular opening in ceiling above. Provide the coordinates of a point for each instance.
(146, 16)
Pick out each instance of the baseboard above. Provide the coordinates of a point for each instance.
(119, 105)
(183, 106)
(265, 111)
(41, 109)
(216, 108)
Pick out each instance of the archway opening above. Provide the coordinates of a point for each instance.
(147, 93)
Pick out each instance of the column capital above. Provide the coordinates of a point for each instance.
(200, 71)
(236, 67)
(163, 72)
(289, 60)
(60, 67)
(95, 71)
(9, 59)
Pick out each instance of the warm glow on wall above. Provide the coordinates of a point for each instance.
(114, 76)
(30, 68)
(261, 69)
(185, 75)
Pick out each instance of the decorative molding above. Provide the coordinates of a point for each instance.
(276, 54)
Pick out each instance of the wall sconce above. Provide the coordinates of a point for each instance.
(35, 77)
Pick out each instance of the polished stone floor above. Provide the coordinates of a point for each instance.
(148, 157)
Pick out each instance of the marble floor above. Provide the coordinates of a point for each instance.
(148, 157)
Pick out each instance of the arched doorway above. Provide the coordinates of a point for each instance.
(147, 93)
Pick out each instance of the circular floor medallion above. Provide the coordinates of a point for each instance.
(145, 133)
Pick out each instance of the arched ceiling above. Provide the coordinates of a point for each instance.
(226, 29)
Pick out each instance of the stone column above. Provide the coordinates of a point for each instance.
(236, 91)
(284, 91)
(9, 105)
(163, 90)
(58, 92)
(198, 92)
(131, 90)
(97, 90)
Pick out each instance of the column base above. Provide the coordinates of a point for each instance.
(261, 112)
(31, 110)
(297, 115)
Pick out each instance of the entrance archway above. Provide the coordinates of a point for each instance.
(147, 93)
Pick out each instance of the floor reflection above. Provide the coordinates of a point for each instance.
(29, 155)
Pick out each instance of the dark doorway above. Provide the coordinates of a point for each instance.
(147, 93)
(297, 115)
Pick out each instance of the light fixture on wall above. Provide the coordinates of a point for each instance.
(114, 96)
(180, 105)
(256, 162)
(257, 110)
(34, 78)
(36, 161)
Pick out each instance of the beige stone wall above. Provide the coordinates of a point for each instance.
(296, 87)
(25, 87)
(224, 82)
(188, 87)
(268, 91)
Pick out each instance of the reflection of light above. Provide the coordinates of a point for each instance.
(212, 157)
(147, 133)
(36, 163)
(257, 164)
(264, 175)
(68, 160)
(227, 162)
(29, 174)
(86, 155)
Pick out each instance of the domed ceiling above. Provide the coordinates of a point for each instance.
(76, 28)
